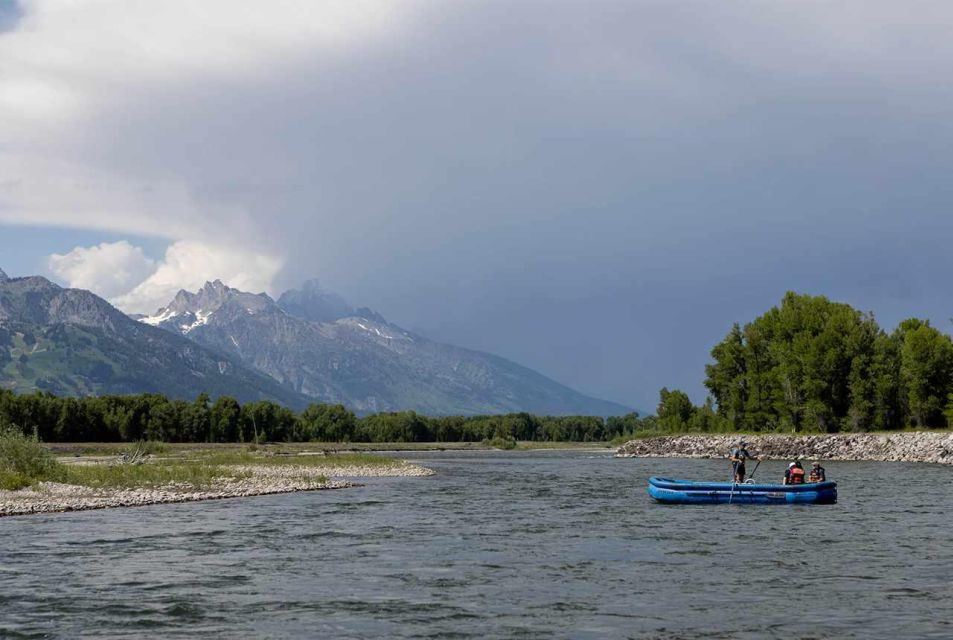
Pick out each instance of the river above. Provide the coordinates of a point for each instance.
(515, 544)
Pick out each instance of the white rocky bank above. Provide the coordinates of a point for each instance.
(48, 497)
(893, 447)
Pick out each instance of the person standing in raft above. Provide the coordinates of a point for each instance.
(794, 473)
(818, 474)
(738, 455)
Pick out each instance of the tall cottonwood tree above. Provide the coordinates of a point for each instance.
(810, 363)
(926, 371)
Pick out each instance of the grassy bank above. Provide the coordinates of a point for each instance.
(318, 460)
(148, 475)
(25, 462)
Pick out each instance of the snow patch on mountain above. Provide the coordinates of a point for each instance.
(162, 315)
(201, 318)
(374, 328)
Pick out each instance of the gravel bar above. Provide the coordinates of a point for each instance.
(50, 497)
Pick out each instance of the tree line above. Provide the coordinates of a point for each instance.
(810, 364)
(156, 417)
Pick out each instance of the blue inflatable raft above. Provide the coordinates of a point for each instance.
(688, 492)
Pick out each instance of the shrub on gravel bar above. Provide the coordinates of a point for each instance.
(24, 461)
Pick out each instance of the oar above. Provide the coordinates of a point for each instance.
(753, 471)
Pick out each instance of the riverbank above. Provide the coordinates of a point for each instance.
(251, 477)
(936, 447)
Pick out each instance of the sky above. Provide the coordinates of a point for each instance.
(597, 190)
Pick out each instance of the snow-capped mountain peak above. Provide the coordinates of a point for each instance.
(188, 310)
(314, 343)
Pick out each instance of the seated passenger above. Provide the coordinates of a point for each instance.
(818, 474)
(794, 474)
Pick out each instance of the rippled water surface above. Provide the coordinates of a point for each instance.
(563, 544)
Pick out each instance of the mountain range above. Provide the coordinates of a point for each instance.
(309, 345)
(72, 342)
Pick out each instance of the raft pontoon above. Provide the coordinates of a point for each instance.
(672, 491)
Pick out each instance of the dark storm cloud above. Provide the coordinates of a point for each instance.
(596, 190)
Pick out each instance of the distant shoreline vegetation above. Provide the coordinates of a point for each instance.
(155, 417)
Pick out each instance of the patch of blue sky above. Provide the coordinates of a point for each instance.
(26, 250)
(10, 14)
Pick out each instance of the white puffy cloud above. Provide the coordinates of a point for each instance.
(109, 269)
(122, 273)
(189, 264)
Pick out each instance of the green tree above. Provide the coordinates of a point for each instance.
(926, 371)
(889, 410)
(197, 420)
(675, 409)
(704, 418)
(266, 421)
(326, 423)
(224, 420)
(808, 363)
(726, 377)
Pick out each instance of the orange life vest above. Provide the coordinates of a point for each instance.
(796, 476)
(815, 476)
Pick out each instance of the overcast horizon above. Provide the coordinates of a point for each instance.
(593, 190)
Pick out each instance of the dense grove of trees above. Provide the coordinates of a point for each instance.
(815, 365)
(155, 417)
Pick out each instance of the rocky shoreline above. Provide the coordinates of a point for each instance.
(893, 447)
(50, 497)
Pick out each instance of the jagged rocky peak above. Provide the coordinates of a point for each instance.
(312, 302)
(190, 310)
(209, 297)
(3, 276)
(216, 294)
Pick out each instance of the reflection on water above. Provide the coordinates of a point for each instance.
(548, 544)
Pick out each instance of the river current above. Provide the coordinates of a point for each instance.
(516, 544)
